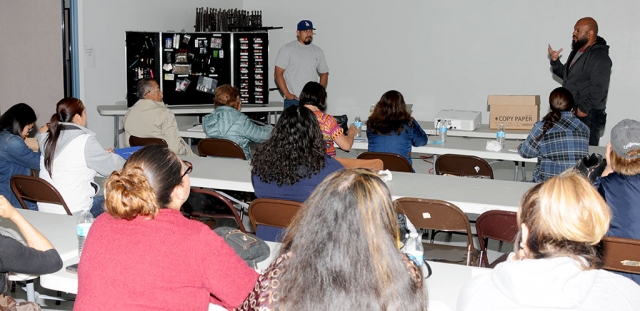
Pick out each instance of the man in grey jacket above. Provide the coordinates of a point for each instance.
(586, 74)
(149, 117)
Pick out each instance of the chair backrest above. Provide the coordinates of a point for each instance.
(272, 212)
(206, 208)
(621, 254)
(36, 189)
(463, 165)
(391, 161)
(437, 215)
(495, 225)
(216, 147)
(145, 141)
(370, 164)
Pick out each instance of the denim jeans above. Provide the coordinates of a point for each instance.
(98, 206)
(290, 102)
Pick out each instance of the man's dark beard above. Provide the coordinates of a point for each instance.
(579, 43)
(308, 42)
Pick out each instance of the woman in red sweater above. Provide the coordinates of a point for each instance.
(142, 254)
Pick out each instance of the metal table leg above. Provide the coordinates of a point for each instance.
(116, 131)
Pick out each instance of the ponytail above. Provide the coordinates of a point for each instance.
(66, 109)
(549, 120)
(560, 100)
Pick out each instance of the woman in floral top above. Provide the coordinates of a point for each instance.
(314, 97)
(341, 253)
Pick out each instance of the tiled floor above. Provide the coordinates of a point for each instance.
(502, 170)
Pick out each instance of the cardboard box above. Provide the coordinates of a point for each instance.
(516, 112)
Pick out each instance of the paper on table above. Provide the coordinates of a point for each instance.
(196, 128)
(493, 145)
(385, 175)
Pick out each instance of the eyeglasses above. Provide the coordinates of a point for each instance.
(158, 90)
(188, 170)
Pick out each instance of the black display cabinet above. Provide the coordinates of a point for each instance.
(189, 66)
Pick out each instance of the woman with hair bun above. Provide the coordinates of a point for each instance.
(143, 254)
(559, 141)
(558, 265)
(15, 156)
(71, 157)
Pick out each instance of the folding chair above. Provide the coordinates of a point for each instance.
(495, 225)
(444, 216)
(36, 189)
(204, 205)
(145, 141)
(267, 214)
(621, 254)
(391, 161)
(215, 147)
(463, 165)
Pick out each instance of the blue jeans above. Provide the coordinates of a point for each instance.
(98, 206)
(290, 102)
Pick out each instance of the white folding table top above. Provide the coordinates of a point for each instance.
(472, 195)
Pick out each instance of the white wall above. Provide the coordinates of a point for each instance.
(31, 60)
(103, 25)
(439, 54)
(452, 54)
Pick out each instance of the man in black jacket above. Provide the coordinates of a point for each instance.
(586, 74)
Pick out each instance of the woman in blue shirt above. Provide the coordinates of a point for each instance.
(15, 157)
(292, 162)
(391, 128)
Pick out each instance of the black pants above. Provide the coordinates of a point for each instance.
(595, 121)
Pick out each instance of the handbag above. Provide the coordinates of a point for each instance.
(343, 121)
(249, 247)
(591, 166)
(7, 303)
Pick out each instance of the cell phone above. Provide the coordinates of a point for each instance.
(73, 268)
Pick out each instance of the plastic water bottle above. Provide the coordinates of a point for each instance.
(500, 134)
(82, 228)
(443, 132)
(414, 249)
(358, 123)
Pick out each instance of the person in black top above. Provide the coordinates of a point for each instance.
(586, 74)
(37, 257)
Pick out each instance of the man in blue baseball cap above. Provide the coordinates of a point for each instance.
(299, 62)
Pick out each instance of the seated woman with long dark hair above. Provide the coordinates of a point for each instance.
(71, 157)
(558, 265)
(15, 157)
(143, 254)
(559, 141)
(391, 128)
(314, 97)
(341, 253)
(292, 162)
